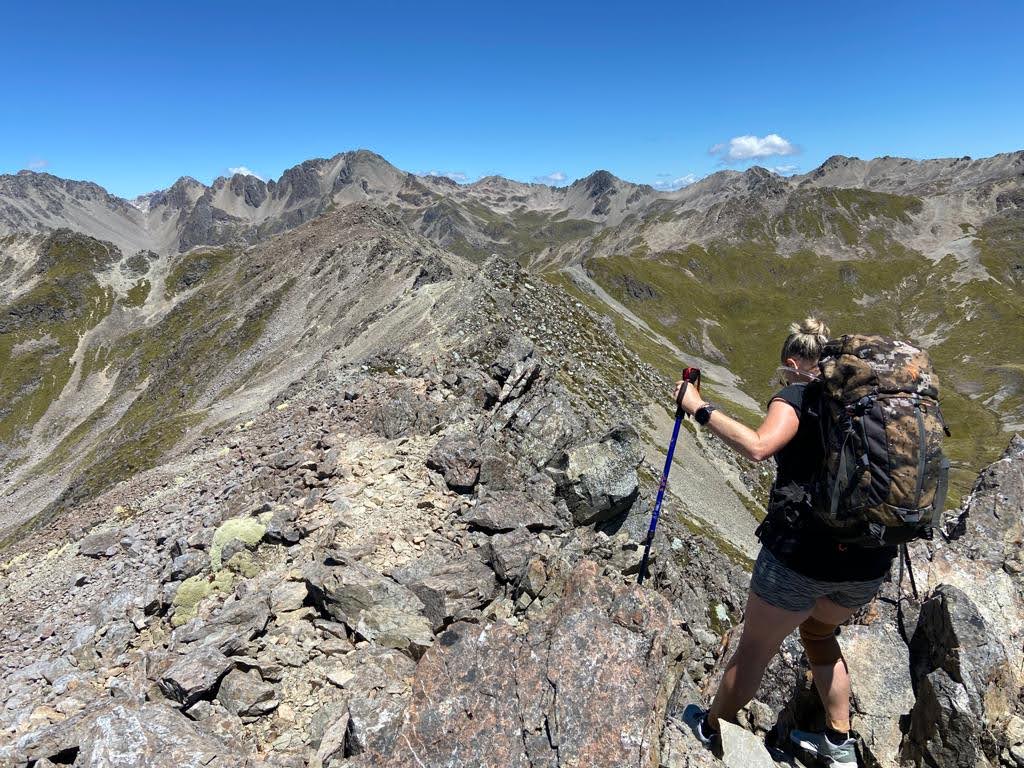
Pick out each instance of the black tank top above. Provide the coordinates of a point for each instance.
(791, 531)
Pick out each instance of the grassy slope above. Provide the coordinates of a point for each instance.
(41, 328)
(161, 370)
(166, 368)
(753, 293)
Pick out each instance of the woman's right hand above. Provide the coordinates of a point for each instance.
(690, 400)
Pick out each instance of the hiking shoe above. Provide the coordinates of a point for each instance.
(696, 719)
(830, 754)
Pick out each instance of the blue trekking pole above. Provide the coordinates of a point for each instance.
(690, 376)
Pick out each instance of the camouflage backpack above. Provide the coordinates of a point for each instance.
(884, 477)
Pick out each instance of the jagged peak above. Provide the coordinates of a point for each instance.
(39, 178)
(598, 181)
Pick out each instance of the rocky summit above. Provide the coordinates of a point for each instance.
(354, 468)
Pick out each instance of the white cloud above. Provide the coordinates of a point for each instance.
(554, 178)
(37, 164)
(244, 172)
(785, 170)
(742, 148)
(669, 182)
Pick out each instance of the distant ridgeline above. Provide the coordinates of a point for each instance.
(127, 325)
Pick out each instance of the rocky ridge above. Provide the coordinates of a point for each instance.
(428, 561)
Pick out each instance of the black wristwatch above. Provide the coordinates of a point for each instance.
(703, 414)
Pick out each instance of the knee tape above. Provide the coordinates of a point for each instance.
(819, 642)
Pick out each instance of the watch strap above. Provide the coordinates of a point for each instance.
(703, 414)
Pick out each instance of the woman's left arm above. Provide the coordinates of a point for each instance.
(779, 427)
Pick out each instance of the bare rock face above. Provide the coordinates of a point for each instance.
(598, 480)
(882, 691)
(150, 736)
(587, 685)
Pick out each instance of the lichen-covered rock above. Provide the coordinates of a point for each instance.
(193, 590)
(247, 530)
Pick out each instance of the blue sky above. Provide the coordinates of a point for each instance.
(133, 95)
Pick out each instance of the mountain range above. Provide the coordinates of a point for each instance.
(128, 323)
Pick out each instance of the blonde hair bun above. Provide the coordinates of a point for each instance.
(805, 339)
(810, 326)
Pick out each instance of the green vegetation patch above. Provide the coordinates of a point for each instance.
(815, 213)
(247, 529)
(193, 590)
(41, 328)
(753, 293)
(196, 267)
(164, 369)
(137, 294)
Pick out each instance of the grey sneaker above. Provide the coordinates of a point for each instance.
(830, 754)
(696, 719)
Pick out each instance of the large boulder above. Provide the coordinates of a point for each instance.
(503, 511)
(883, 694)
(457, 458)
(968, 646)
(371, 605)
(238, 622)
(509, 553)
(964, 682)
(246, 695)
(195, 675)
(455, 589)
(599, 480)
(587, 685)
(544, 423)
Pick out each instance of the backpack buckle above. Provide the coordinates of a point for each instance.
(864, 405)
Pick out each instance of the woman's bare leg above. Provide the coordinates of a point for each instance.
(833, 680)
(764, 629)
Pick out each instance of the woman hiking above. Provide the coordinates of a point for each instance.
(803, 579)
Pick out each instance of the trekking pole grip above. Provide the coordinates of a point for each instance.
(691, 375)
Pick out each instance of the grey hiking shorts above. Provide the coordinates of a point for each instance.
(782, 587)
